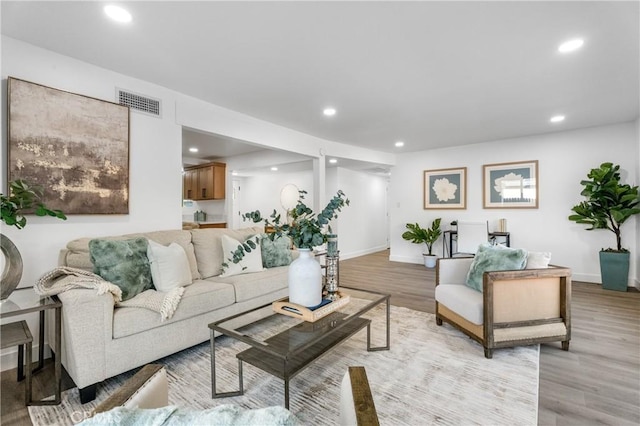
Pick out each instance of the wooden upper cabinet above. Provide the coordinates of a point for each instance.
(190, 184)
(219, 180)
(205, 182)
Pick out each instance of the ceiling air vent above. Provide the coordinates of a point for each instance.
(139, 103)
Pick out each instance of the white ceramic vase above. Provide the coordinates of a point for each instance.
(305, 280)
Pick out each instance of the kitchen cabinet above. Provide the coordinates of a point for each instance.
(190, 184)
(205, 182)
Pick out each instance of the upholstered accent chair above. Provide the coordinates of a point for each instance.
(515, 308)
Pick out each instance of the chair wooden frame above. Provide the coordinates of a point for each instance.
(508, 328)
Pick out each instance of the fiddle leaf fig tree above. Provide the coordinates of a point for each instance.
(418, 235)
(23, 199)
(608, 202)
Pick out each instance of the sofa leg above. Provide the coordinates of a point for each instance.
(488, 353)
(438, 321)
(88, 394)
(565, 345)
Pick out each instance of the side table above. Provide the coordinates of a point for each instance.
(24, 301)
(18, 334)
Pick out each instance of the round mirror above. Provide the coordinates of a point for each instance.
(289, 196)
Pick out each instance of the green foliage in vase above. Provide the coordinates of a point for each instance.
(305, 228)
(24, 199)
(608, 202)
(418, 235)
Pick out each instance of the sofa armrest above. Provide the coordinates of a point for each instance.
(356, 402)
(453, 270)
(148, 388)
(87, 324)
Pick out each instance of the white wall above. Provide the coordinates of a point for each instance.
(362, 227)
(564, 158)
(263, 192)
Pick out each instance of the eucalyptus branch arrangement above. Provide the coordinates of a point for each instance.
(304, 227)
(24, 199)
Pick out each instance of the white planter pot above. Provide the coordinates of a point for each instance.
(305, 280)
(430, 260)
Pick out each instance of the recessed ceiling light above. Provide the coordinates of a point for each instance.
(557, 118)
(274, 169)
(234, 173)
(117, 13)
(333, 161)
(399, 144)
(571, 45)
(329, 112)
(194, 149)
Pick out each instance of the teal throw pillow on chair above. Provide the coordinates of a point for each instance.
(124, 263)
(494, 258)
(276, 252)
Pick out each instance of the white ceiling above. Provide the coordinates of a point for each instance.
(432, 74)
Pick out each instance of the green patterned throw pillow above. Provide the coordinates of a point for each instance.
(490, 258)
(122, 262)
(276, 252)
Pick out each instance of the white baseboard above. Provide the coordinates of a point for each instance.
(407, 259)
(345, 256)
(9, 358)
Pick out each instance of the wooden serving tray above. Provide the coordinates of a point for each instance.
(298, 311)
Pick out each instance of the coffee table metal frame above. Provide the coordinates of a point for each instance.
(286, 365)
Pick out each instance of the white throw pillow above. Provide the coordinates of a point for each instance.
(538, 260)
(169, 266)
(251, 262)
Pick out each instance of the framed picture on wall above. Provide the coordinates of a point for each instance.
(75, 147)
(510, 185)
(445, 188)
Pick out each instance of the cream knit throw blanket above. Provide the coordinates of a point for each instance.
(65, 278)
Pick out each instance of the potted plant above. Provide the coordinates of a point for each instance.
(419, 235)
(22, 199)
(305, 229)
(608, 205)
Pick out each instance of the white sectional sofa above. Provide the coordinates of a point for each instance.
(100, 340)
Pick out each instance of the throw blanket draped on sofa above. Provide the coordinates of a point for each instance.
(66, 278)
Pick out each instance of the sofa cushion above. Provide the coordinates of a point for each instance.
(276, 252)
(461, 299)
(198, 298)
(251, 261)
(123, 263)
(249, 286)
(78, 249)
(207, 244)
(491, 258)
(169, 266)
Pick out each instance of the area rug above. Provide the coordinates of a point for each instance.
(431, 375)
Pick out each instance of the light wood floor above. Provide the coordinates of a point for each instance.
(596, 382)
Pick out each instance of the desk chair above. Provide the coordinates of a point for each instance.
(470, 236)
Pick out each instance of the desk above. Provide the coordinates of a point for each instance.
(448, 237)
(25, 300)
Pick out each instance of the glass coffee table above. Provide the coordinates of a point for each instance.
(283, 346)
